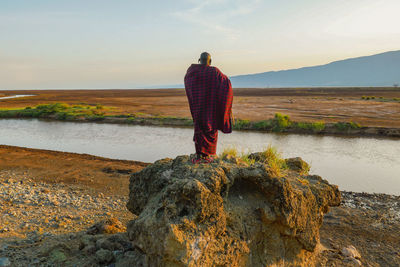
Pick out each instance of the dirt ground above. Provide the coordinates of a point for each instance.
(369, 222)
(301, 104)
(108, 176)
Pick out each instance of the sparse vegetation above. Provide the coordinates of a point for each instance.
(91, 112)
(313, 126)
(262, 125)
(231, 152)
(346, 126)
(242, 124)
(270, 156)
(280, 122)
(59, 111)
(381, 99)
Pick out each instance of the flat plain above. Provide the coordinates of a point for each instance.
(379, 107)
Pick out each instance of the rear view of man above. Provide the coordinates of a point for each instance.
(210, 96)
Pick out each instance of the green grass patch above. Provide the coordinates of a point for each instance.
(312, 126)
(60, 111)
(242, 124)
(346, 126)
(263, 125)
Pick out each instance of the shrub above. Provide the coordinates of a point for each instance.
(61, 115)
(280, 122)
(262, 125)
(241, 124)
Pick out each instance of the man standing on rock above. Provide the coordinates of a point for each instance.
(210, 96)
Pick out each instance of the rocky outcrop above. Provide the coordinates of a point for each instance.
(228, 213)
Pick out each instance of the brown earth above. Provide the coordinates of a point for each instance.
(302, 104)
(108, 176)
(370, 222)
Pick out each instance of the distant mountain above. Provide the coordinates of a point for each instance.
(376, 70)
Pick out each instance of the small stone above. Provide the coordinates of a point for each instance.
(45, 191)
(351, 252)
(109, 226)
(89, 250)
(104, 256)
(356, 262)
(58, 255)
(103, 243)
(4, 262)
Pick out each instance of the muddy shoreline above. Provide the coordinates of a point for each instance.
(41, 192)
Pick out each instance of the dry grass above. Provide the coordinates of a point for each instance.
(270, 156)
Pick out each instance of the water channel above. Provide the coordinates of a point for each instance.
(13, 96)
(355, 164)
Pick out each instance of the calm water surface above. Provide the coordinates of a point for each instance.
(13, 96)
(356, 164)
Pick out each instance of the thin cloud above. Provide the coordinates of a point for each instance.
(214, 15)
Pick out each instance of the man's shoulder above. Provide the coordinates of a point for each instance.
(218, 72)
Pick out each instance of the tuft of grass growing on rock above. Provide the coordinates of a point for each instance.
(247, 159)
(232, 153)
(276, 164)
(229, 152)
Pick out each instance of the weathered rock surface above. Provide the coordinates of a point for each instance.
(227, 213)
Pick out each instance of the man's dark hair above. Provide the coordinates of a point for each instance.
(205, 58)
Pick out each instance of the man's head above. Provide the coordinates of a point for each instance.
(205, 59)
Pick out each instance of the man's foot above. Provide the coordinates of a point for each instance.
(203, 159)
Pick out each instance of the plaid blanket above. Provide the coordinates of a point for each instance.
(210, 97)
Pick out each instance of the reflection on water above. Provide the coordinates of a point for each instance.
(13, 96)
(357, 164)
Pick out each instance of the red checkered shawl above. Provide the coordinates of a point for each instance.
(210, 97)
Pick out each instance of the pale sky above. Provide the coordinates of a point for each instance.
(56, 44)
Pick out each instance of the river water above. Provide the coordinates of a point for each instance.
(356, 164)
(13, 96)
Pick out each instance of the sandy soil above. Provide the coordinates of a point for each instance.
(55, 192)
(327, 104)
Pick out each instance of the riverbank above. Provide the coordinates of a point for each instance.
(375, 108)
(48, 200)
(280, 123)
